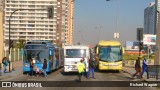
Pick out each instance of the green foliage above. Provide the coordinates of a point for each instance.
(134, 56)
(19, 44)
(130, 57)
(151, 56)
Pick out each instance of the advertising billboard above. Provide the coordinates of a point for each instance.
(149, 39)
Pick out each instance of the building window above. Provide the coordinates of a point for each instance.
(50, 29)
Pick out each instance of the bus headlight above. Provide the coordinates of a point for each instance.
(26, 65)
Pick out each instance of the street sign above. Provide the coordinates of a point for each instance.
(139, 34)
(116, 35)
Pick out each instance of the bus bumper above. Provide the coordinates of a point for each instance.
(110, 66)
(70, 69)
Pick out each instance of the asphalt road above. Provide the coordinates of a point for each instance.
(59, 76)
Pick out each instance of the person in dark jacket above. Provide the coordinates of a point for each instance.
(31, 67)
(138, 68)
(91, 68)
(45, 67)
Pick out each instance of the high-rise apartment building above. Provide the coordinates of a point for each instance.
(65, 21)
(151, 17)
(32, 23)
(70, 21)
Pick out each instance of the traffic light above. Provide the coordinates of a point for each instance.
(50, 12)
(141, 46)
(140, 34)
(10, 43)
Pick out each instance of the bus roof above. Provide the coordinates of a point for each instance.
(36, 42)
(109, 43)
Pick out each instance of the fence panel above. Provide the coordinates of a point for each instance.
(15, 54)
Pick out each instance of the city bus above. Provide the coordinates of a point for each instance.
(109, 55)
(38, 51)
(73, 55)
(59, 55)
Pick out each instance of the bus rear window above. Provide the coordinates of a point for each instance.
(75, 53)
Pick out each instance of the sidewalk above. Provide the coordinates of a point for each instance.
(131, 71)
(17, 65)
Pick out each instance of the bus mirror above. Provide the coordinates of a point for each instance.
(97, 50)
(122, 49)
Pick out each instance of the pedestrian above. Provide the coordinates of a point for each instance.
(45, 67)
(144, 67)
(84, 73)
(81, 68)
(5, 64)
(137, 68)
(37, 70)
(31, 67)
(91, 68)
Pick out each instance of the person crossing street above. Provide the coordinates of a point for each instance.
(81, 68)
(144, 67)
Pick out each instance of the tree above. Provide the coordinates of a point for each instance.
(20, 44)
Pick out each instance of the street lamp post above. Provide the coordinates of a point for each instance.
(116, 34)
(10, 35)
(10, 30)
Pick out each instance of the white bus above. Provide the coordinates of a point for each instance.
(73, 55)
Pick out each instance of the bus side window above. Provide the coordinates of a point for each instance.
(50, 55)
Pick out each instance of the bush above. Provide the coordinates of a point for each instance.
(135, 56)
(130, 56)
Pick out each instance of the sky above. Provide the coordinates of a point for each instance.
(95, 20)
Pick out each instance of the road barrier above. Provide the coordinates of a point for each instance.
(15, 54)
(153, 71)
(131, 63)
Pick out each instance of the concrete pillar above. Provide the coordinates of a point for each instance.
(18, 54)
(157, 53)
(14, 54)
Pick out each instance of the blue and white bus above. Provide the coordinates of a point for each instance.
(38, 51)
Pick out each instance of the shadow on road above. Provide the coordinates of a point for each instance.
(107, 71)
(68, 73)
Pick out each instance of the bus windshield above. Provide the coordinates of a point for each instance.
(39, 47)
(75, 53)
(38, 55)
(110, 53)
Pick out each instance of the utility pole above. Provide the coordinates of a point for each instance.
(116, 33)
